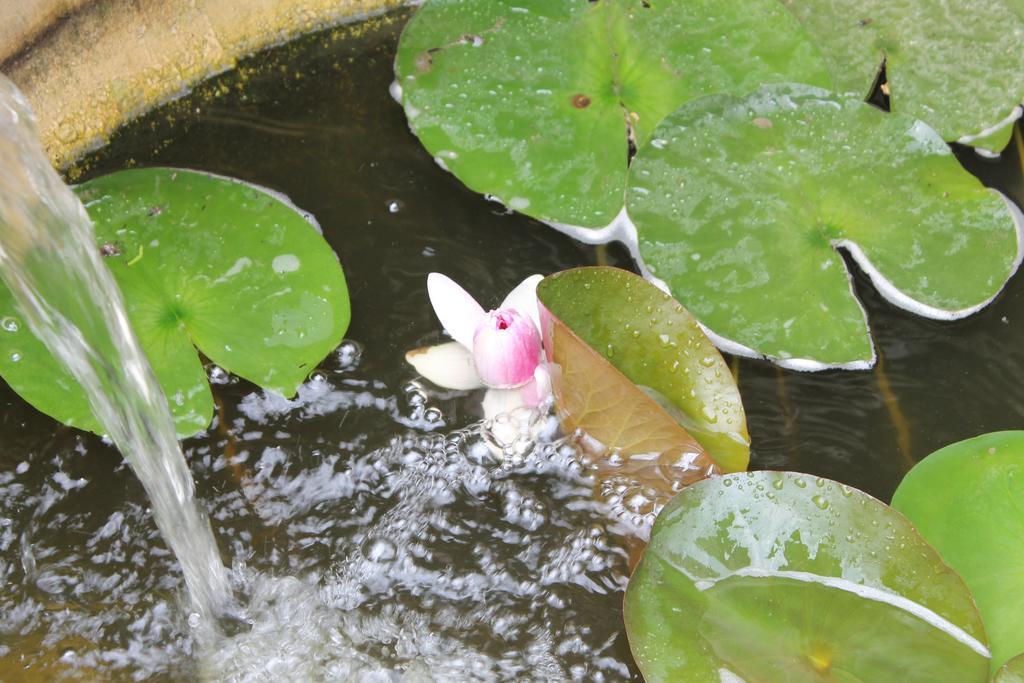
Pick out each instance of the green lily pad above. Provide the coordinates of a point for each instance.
(655, 342)
(956, 66)
(741, 206)
(202, 261)
(534, 101)
(781, 577)
(967, 499)
(1011, 672)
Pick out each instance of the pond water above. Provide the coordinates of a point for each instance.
(369, 528)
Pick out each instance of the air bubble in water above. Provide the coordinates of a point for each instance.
(217, 374)
(379, 550)
(348, 355)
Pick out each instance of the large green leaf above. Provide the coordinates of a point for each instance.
(652, 340)
(741, 205)
(956, 65)
(967, 499)
(231, 268)
(781, 577)
(532, 101)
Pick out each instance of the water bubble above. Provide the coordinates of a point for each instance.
(348, 355)
(679, 464)
(415, 395)
(640, 499)
(15, 356)
(10, 324)
(217, 374)
(379, 550)
(820, 501)
(395, 205)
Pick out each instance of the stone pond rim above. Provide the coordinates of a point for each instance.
(88, 66)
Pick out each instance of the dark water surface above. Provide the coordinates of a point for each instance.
(508, 572)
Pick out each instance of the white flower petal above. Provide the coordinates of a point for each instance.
(524, 298)
(458, 312)
(447, 365)
(501, 401)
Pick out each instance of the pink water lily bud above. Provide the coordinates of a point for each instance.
(506, 348)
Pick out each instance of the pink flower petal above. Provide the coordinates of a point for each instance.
(537, 390)
(458, 312)
(506, 348)
(447, 365)
(524, 298)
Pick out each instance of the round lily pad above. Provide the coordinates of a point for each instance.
(742, 205)
(1011, 672)
(782, 577)
(967, 499)
(202, 261)
(536, 102)
(956, 65)
(654, 343)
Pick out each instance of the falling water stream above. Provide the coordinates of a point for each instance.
(50, 262)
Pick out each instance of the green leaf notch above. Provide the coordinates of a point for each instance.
(780, 577)
(967, 500)
(654, 343)
(956, 66)
(741, 206)
(536, 102)
(202, 261)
